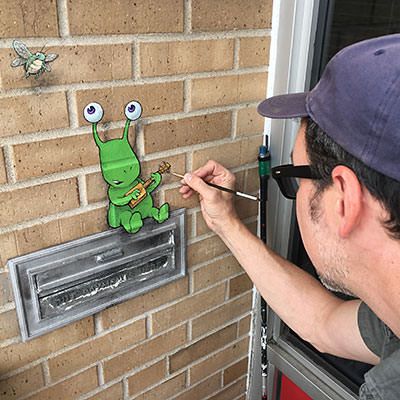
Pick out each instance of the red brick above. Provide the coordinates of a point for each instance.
(71, 388)
(244, 325)
(105, 18)
(219, 360)
(254, 51)
(8, 325)
(202, 390)
(55, 155)
(231, 392)
(147, 377)
(215, 272)
(97, 349)
(205, 250)
(230, 155)
(149, 350)
(249, 122)
(175, 200)
(165, 389)
(20, 18)
(235, 371)
(246, 208)
(210, 15)
(166, 135)
(38, 201)
(205, 346)
(17, 355)
(22, 384)
(226, 90)
(141, 304)
(239, 285)
(168, 58)
(220, 316)
(8, 248)
(114, 392)
(187, 308)
(5, 289)
(34, 113)
(96, 187)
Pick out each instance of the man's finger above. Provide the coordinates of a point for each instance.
(197, 184)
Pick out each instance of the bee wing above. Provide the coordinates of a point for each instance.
(50, 57)
(21, 49)
(47, 67)
(17, 62)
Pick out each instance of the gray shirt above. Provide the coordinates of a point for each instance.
(382, 382)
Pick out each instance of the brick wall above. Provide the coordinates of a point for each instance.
(199, 68)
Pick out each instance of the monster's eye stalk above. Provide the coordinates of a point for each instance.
(93, 112)
(133, 110)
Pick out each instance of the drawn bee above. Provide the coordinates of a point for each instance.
(34, 64)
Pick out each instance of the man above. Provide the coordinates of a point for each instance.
(347, 156)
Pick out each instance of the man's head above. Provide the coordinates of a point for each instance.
(350, 135)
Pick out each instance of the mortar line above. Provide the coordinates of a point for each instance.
(9, 159)
(77, 86)
(236, 52)
(54, 177)
(187, 12)
(72, 109)
(98, 325)
(145, 37)
(125, 388)
(100, 374)
(136, 60)
(46, 373)
(54, 217)
(234, 120)
(187, 95)
(82, 190)
(139, 140)
(62, 14)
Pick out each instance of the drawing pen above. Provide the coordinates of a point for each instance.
(224, 189)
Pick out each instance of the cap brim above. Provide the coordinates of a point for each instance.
(284, 106)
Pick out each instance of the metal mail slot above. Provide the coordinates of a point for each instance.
(56, 286)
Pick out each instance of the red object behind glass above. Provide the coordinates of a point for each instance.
(289, 391)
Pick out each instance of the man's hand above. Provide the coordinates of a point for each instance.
(216, 205)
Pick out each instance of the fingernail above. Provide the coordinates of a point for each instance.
(188, 177)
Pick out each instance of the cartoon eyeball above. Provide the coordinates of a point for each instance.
(93, 112)
(133, 110)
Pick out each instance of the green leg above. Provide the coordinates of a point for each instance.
(131, 222)
(114, 219)
(162, 214)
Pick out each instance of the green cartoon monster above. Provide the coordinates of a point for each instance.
(130, 199)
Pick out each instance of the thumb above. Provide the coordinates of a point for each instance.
(197, 184)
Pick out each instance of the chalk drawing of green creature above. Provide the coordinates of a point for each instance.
(130, 198)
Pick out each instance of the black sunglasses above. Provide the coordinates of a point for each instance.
(286, 178)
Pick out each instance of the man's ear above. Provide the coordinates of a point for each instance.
(349, 201)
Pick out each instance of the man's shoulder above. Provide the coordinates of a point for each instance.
(376, 334)
(383, 380)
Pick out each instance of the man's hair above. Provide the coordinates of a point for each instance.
(325, 154)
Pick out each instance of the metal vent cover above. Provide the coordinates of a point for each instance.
(58, 285)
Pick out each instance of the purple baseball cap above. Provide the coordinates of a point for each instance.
(356, 102)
